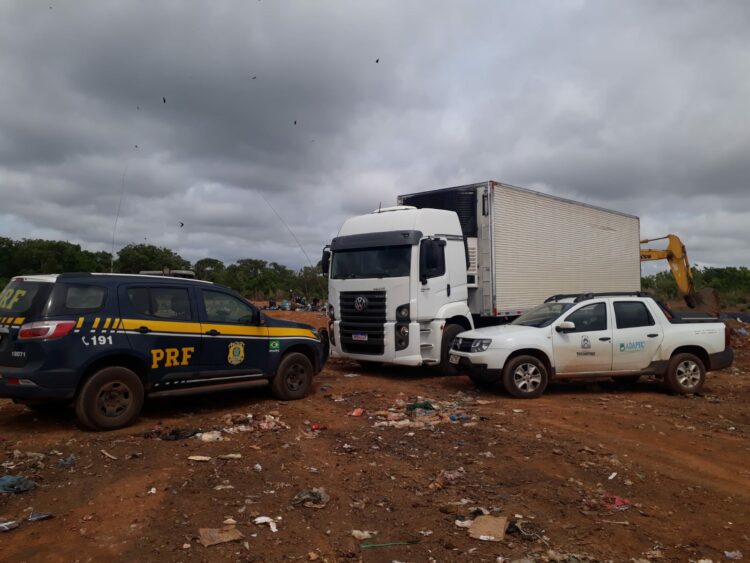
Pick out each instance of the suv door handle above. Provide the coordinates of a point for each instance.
(213, 332)
(652, 335)
(605, 339)
(143, 329)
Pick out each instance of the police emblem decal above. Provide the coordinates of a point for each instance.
(236, 353)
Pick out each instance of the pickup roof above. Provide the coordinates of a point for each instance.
(614, 335)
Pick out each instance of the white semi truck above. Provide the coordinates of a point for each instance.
(405, 280)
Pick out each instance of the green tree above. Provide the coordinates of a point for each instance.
(210, 269)
(136, 257)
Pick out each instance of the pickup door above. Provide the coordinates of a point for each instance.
(588, 347)
(637, 335)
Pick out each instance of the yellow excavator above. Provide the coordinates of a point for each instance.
(675, 254)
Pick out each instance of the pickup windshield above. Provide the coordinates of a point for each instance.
(543, 315)
(383, 262)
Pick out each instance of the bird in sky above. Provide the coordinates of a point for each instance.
(164, 100)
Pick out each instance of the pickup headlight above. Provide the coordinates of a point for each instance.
(480, 344)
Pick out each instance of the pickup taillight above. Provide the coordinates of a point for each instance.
(45, 330)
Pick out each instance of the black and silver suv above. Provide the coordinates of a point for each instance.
(104, 341)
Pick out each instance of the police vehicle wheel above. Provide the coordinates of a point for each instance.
(111, 398)
(449, 335)
(525, 377)
(685, 374)
(293, 378)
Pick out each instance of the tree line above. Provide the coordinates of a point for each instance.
(255, 279)
(261, 280)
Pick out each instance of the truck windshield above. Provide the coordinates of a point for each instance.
(542, 315)
(383, 262)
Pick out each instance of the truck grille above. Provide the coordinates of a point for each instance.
(356, 325)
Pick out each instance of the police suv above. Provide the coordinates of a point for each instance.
(618, 335)
(104, 341)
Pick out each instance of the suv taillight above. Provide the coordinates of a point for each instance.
(45, 330)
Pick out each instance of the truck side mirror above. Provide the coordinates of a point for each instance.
(565, 326)
(431, 259)
(326, 261)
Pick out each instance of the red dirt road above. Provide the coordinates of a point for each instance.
(552, 465)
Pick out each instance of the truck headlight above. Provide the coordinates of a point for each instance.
(480, 344)
(403, 330)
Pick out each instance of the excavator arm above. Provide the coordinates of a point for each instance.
(676, 256)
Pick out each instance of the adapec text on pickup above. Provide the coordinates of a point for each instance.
(621, 336)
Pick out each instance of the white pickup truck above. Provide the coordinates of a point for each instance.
(618, 335)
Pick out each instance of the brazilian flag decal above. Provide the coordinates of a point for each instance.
(273, 345)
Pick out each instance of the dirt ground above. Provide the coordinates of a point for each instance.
(588, 471)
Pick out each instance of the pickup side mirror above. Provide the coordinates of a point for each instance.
(565, 326)
(325, 262)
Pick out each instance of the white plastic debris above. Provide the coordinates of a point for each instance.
(363, 534)
(260, 520)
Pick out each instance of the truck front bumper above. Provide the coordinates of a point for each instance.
(410, 356)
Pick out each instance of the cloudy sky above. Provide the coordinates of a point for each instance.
(641, 107)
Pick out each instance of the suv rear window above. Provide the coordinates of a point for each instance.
(23, 298)
(161, 302)
(75, 299)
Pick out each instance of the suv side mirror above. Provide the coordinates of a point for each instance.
(326, 260)
(565, 326)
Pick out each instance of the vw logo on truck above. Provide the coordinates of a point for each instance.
(360, 304)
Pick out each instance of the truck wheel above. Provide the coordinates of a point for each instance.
(293, 377)
(685, 374)
(111, 398)
(449, 335)
(525, 377)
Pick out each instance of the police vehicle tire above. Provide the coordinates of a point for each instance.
(111, 398)
(449, 335)
(293, 377)
(686, 374)
(525, 377)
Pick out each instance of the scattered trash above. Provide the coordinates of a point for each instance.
(389, 544)
(425, 532)
(173, 434)
(185, 546)
(231, 521)
(518, 411)
(212, 436)
(199, 458)
(15, 484)
(312, 556)
(463, 523)
(737, 554)
(214, 536)
(363, 534)
(152, 491)
(67, 462)
(350, 375)
(488, 528)
(105, 453)
(230, 456)
(314, 498)
(38, 516)
(459, 417)
(357, 412)
(267, 520)
(447, 478)
(325, 387)
(8, 526)
(258, 467)
(612, 476)
(424, 405)
(613, 502)
(315, 426)
(223, 487)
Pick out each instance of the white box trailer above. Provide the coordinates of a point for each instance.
(524, 246)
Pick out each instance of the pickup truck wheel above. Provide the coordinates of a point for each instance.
(111, 398)
(293, 377)
(685, 374)
(449, 335)
(525, 377)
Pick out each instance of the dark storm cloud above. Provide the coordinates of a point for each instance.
(635, 106)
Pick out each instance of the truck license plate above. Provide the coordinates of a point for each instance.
(360, 336)
(454, 359)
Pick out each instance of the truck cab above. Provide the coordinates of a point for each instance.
(397, 286)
